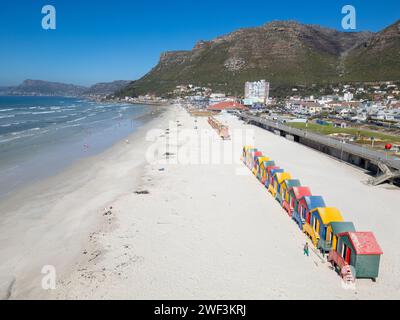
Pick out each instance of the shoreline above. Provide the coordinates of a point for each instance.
(49, 150)
(44, 200)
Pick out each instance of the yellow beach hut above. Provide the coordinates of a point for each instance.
(334, 229)
(278, 179)
(317, 221)
(246, 153)
(262, 174)
(257, 165)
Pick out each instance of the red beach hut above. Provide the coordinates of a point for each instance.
(295, 194)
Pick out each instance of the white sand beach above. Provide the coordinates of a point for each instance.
(199, 231)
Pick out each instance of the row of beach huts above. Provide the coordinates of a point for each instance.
(353, 254)
(222, 130)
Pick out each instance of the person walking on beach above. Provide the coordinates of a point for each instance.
(306, 250)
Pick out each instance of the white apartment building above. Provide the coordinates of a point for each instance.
(256, 92)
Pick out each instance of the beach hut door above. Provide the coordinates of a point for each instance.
(330, 238)
(315, 224)
(348, 254)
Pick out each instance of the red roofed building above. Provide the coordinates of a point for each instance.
(227, 105)
(358, 253)
(364, 243)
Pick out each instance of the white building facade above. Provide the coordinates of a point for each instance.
(256, 92)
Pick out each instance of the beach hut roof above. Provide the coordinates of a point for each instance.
(328, 214)
(342, 226)
(269, 163)
(274, 170)
(363, 242)
(292, 183)
(300, 191)
(281, 176)
(314, 202)
(262, 159)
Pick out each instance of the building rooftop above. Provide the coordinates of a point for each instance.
(227, 105)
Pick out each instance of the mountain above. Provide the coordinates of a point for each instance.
(45, 88)
(378, 58)
(106, 88)
(5, 90)
(284, 52)
(40, 87)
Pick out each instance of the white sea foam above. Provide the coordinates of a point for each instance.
(12, 124)
(43, 112)
(7, 116)
(9, 139)
(21, 133)
(75, 120)
(61, 117)
(69, 126)
(16, 137)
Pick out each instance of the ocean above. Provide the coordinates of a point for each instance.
(39, 136)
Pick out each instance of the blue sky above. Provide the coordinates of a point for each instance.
(120, 39)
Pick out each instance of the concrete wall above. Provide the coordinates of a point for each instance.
(339, 154)
(334, 152)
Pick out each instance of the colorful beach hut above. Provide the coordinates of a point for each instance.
(304, 205)
(277, 181)
(333, 230)
(294, 195)
(245, 155)
(255, 154)
(357, 252)
(283, 194)
(263, 174)
(317, 221)
(257, 163)
(270, 174)
(250, 157)
(246, 150)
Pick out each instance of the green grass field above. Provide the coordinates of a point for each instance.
(361, 133)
